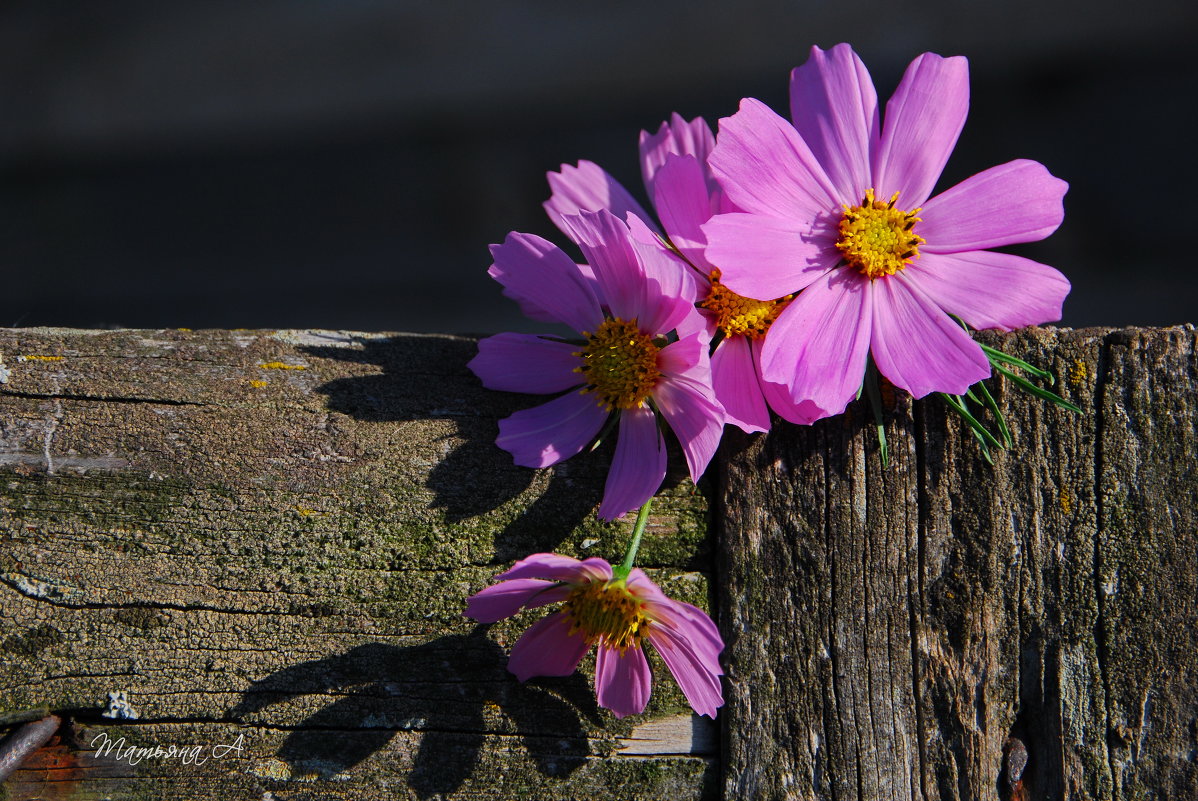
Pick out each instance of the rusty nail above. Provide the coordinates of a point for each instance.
(27, 739)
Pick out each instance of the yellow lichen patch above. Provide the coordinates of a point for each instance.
(619, 364)
(1066, 501)
(876, 238)
(256, 384)
(183, 329)
(305, 511)
(737, 315)
(1078, 373)
(272, 769)
(37, 357)
(282, 366)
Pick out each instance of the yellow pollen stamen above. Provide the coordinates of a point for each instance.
(876, 238)
(606, 613)
(619, 364)
(738, 315)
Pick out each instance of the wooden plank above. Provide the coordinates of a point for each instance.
(217, 533)
(890, 629)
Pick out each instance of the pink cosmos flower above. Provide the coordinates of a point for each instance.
(625, 303)
(836, 206)
(614, 614)
(685, 195)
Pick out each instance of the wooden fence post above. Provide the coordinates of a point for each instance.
(892, 629)
(264, 540)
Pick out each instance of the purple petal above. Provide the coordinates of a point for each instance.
(919, 347)
(623, 681)
(506, 598)
(818, 345)
(684, 204)
(547, 649)
(606, 244)
(923, 120)
(835, 109)
(687, 358)
(526, 363)
(677, 137)
(545, 282)
(991, 290)
(737, 386)
(1019, 201)
(547, 434)
(671, 290)
(638, 467)
(555, 567)
(696, 417)
(588, 187)
(766, 257)
(765, 167)
(697, 676)
(803, 413)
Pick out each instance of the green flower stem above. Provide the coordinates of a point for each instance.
(642, 518)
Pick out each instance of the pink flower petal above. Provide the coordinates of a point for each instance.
(991, 290)
(1019, 201)
(696, 417)
(676, 137)
(638, 467)
(547, 434)
(587, 187)
(681, 198)
(923, 120)
(623, 681)
(767, 257)
(506, 598)
(556, 567)
(545, 282)
(818, 345)
(802, 413)
(696, 676)
(919, 347)
(547, 649)
(686, 358)
(835, 109)
(526, 363)
(607, 245)
(671, 290)
(737, 386)
(765, 167)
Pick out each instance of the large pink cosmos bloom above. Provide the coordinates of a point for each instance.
(613, 614)
(836, 206)
(685, 195)
(624, 303)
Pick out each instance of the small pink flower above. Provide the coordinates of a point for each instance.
(685, 195)
(625, 303)
(613, 614)
(835, 206)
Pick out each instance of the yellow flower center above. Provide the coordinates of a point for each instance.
(606, 613)
(876, 238)
(619, 364)
(736, 314)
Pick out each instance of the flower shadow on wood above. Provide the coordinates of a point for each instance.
(475, 477)
(454, 690)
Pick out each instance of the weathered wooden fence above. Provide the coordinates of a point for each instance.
(254, 547)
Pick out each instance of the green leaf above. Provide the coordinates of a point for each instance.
(997, 357)
(1039, 392)
(875, 401)
(989, 402)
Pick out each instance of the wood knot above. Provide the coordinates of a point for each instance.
(1014, 764)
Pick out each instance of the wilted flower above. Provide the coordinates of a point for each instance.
(613, 614)
(835, 207)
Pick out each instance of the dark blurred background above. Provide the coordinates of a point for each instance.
(345, 165)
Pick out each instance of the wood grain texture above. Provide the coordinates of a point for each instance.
(889, 629)
(272, 534)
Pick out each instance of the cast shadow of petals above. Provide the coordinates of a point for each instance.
(441, 689)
